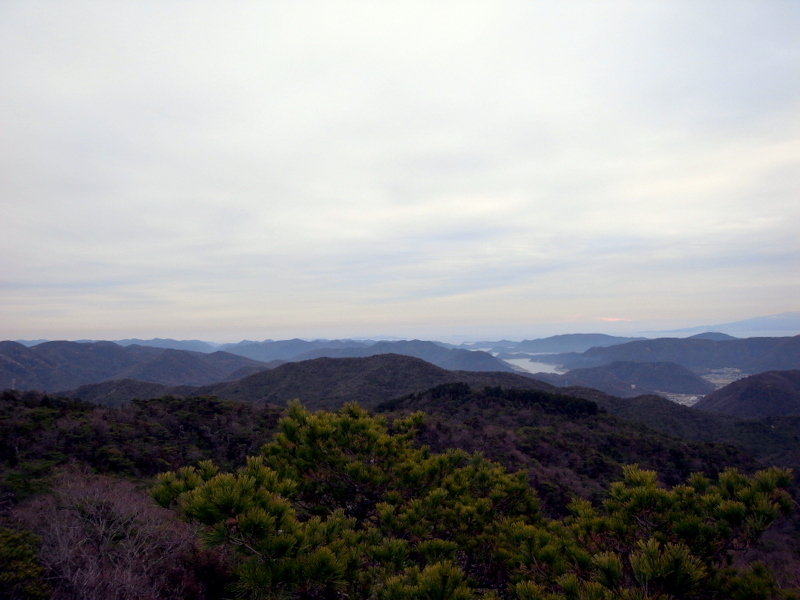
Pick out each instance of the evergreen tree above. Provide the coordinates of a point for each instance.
(344, 505)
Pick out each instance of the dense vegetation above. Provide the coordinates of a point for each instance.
(345, 505)
(568, 446)
(39, 432)
(77, 522)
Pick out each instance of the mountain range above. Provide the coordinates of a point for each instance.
(154, 408)
(751, 355)
(53, 366)
(319, 383)
(568, 342)
(328, 383)
(60, 365)
(625, 369)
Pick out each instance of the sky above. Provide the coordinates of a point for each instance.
(440, 170)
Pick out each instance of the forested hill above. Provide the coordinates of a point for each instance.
(324, 382)
(628, 379)
(774, 393)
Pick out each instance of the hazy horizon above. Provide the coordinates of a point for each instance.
(442, 170)
(783, 325)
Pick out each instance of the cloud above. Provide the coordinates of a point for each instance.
(269, 169)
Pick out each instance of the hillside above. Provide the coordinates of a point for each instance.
(772, 440)
(628, 379)
(567, 445)
(774, 393)
(751, 355)
(116, 392)
(62, 365)
(453, 359)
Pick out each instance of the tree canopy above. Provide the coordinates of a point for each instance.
(344, 504)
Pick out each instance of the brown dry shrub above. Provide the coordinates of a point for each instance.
(103, 538)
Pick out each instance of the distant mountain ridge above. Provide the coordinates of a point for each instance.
(787, 322)
(442, 355)
(453, 359)
(59, 365)
(569, 342)
(168, 343)
(287, 349)
(751, 355)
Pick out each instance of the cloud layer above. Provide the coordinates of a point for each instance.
(420, 169)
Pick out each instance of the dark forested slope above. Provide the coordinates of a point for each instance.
(568, 445)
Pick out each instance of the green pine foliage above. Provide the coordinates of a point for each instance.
(21, 574)
(345, 504)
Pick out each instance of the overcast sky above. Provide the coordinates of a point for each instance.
(420, 169)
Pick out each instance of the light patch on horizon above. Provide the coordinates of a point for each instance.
(187, 170)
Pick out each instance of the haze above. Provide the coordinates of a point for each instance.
(485, 169)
